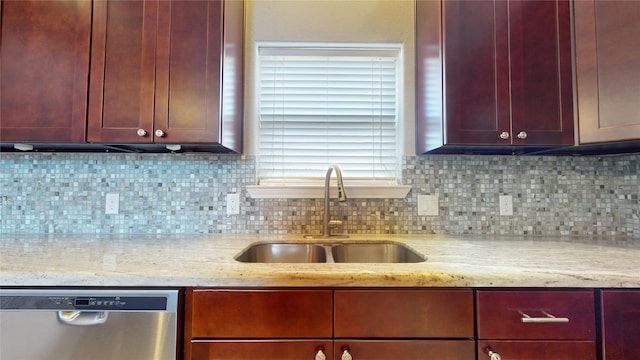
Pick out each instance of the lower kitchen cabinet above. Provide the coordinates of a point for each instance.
(523, 350)
(299, 323)
(411, 323)
(620, 324)
(404, 349)
(257, 324)
(261, 349)
(399, 313)
(536, 324)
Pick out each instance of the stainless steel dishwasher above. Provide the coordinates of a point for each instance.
(88, 324)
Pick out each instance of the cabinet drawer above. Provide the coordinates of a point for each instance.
(406, 349)
(527, 315)
(403, 314)
(261, 313)
(536, 350)
(259, 349)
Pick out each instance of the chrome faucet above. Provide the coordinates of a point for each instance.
(342, 197)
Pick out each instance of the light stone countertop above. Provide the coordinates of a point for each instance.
(208, 260)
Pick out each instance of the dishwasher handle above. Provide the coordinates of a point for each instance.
(82, 318)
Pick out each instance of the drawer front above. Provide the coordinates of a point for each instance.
(403, 314)
(528, 315)
(536, 350)
(260, 349)
(406, 349)
(261, 314)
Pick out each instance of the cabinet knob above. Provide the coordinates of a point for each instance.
(160, 133)
(492, 355)
(504, 135)
(320, 355)
(142, 133)
(346, 355)
(522, 135)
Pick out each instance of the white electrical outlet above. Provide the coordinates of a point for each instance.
(112, 204)
(233, 204)
(428, 205)
(506, 205)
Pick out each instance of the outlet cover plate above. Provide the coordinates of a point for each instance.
(506, 205)
(428, 205)
(233, 204)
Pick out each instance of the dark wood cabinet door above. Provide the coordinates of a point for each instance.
(123, 61)
(260, 349)
(189, 69)
(476, 72)
(44, 70)
(402, 313)
(167, 72)
(507, 73)
(536, 350)
(406, 349)
(199, 73)
(607, 36)
(541, 72)
(621, 324)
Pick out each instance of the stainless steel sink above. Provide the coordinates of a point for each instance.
(375, 252)
(283, 253)
(331, 252)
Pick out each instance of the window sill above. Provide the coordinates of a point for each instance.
(317, 191)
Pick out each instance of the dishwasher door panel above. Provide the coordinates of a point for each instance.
(40, 335)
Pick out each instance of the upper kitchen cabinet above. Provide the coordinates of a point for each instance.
(608, 70)
(167, 72)
(44, 70)
(507, 73)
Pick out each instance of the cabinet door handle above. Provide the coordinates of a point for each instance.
(320, 354)
(492, 355)
(159, 133)
(141, 133)
(548, 318)
(522, 135)
(504, 135)
(345, 354)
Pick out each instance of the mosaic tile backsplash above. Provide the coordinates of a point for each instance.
(185, 193)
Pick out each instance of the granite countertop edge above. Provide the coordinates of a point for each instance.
(143, 260)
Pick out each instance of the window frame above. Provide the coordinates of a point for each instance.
(313, 187)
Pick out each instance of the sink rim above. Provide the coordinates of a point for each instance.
(254, 246)
(328, 245)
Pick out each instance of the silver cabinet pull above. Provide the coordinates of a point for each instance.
(320, 355)
(504, 135)
(522, 135)
(159, 133)
(142, 133)
(548, 318)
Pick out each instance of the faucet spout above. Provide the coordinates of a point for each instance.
(342, 196)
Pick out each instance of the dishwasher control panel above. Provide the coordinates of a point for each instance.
(83, 302)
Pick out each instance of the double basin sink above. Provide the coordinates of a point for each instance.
(330, 252)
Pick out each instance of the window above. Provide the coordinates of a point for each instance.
(328, 105)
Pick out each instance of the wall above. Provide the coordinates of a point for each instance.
(184, 193)
(371, 21)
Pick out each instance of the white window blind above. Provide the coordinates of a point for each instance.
(323, 106)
